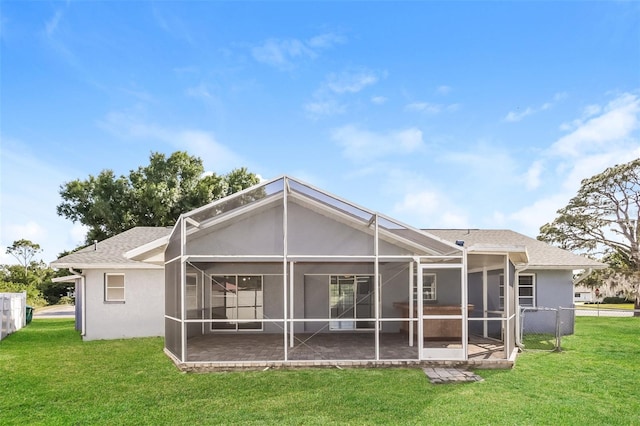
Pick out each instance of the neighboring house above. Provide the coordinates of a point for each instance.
(584, 294)
(284, 273)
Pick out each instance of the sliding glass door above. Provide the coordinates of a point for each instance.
(351, 298)
(236, 297)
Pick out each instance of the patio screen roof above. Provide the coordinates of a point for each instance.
(268, 194)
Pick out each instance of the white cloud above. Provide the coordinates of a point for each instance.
(197, 142)
(530, 218)
(362, 145)
(602, 137)
(326, 40)
(426, 107)
(443, 90)
(532, 176)
(426, 208)
(324, 108)
(51, 25)
(328, 99)
(282, 53)
(350, 82)
(430, 108)
(378, 100)
(614, 126)
(201, 91)
(29, 188)
(519, 114)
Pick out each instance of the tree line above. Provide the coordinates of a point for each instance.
(601, 221)
(151, 195)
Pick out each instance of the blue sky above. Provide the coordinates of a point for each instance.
(456, 114)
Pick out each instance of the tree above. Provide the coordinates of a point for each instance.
(28, 275)
(24, 251)
(602, 220)
(152, 195)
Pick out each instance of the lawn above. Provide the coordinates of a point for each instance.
(624, 306)
(49, 376)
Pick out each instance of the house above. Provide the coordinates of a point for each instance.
(284, 273)
(584, 294)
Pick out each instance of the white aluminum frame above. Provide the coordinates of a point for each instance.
(448, 252)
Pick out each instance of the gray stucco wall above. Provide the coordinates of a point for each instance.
(554, 288)
(140, 315)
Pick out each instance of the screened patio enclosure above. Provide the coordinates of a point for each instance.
(286, 274)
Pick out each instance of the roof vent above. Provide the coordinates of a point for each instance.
(460, 243)
(95, 245)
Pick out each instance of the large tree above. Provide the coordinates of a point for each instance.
(152, 195)
(24, 251)
(602, 220)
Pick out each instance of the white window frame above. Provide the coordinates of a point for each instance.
(107, 287)
(429, 287)
(531, 297)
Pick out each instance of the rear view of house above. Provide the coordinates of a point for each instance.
(284, 273)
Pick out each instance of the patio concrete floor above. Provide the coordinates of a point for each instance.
(252, 348)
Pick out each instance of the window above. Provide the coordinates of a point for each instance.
(428, 287)
(351, 297)
(526, 290)
(114, 287)
(236, 297)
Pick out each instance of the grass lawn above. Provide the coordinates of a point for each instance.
(49, 376)
(625, 306)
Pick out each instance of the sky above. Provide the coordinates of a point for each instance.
(438, 114)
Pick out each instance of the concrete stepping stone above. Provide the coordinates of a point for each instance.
(440, 375)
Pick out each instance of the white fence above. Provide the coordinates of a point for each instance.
(13, 308)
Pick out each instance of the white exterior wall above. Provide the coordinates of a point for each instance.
(140, 315)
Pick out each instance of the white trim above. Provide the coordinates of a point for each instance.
(145, 248)
(232, 196)
(140, 265)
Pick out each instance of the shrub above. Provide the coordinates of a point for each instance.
(34, 297)
(66, 300)
(616, 300)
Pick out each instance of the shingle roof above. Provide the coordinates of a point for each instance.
(110, 252)
(541, 254)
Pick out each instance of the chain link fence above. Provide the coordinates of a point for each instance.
(542, 328)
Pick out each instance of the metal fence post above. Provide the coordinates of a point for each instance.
(558, 328)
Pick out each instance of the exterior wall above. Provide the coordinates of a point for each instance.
(553, 289)
(310, 233)
(140, 315)
(256, 233)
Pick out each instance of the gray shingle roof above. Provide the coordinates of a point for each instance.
(110, 252)
(541, 254)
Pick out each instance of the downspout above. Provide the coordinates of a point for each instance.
(84, 299)
(516, 287)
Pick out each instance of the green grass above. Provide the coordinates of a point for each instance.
(49, 376)
(625, 306)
